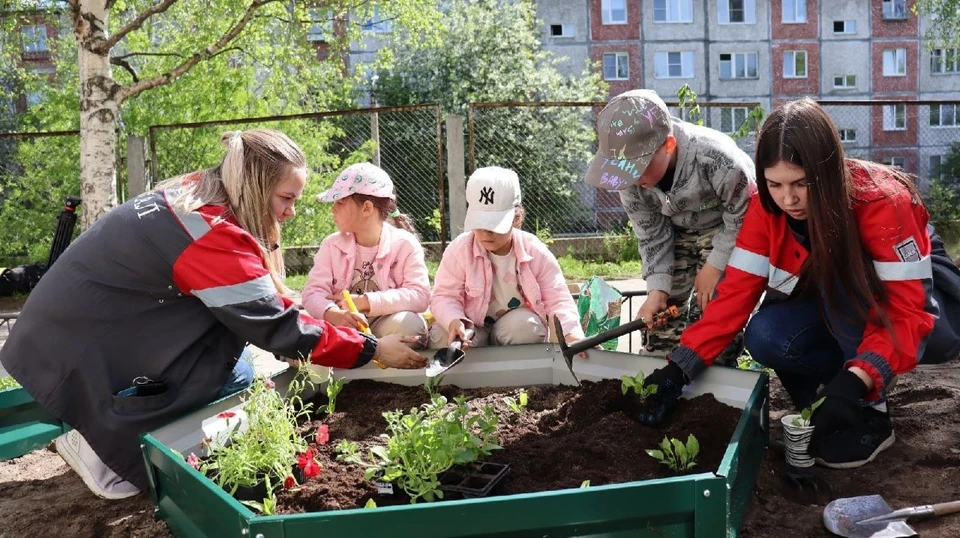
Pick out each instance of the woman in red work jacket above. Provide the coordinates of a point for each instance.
(859, 288)
(145, 316)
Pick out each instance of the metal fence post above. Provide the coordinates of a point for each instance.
(456, 177)
(136, 166)
(375, 136)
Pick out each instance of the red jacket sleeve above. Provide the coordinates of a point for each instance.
(225, 270)
(742, 285)
(893, 230)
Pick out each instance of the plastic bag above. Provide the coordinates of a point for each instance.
(599, 306)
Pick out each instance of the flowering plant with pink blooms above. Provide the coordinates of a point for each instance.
(269, 449)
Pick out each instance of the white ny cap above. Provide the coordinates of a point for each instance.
(493, 194)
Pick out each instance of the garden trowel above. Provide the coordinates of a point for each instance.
(869, 516)
(447, 358)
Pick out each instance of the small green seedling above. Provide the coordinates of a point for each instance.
(432, 385)
(334, 386)
(585, 484)
(804, 419)
(638, 385)
(518, 404)
(677, 456)
(370, 504)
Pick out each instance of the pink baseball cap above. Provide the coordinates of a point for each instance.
(360, 178)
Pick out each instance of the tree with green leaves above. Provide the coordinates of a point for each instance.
(945, 17)
(256, 50)
(491, 51)
(175, 61)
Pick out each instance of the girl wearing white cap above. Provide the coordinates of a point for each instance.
(496, 279)
(381, 266)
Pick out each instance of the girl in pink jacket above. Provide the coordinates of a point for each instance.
(496, 279)
(382, 266)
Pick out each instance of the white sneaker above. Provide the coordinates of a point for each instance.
(102, 481)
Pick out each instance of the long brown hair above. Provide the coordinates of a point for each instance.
(801, 132)
(243, 182)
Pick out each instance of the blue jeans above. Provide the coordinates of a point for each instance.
(794, 339)
(241, 377)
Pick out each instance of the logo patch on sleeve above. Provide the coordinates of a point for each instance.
(907, 250)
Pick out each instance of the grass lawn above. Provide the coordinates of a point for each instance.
(574, 270)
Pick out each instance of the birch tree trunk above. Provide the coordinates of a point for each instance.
(99, 110)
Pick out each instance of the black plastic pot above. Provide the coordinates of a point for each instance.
(473, 480)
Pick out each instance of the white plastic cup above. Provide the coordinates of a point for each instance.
(796, 439)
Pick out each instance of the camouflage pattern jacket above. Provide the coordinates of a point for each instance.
(712, 185)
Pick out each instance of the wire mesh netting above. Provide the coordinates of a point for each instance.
(550, 145)
(406, 140)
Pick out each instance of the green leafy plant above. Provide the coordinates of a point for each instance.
(334, 386)
(518, 404)
(8, 382)
(422, 444)
(585, 484)
(750, 124)
(803, 420)
(676, 455)
(686, 97)
(432, 385)
(268, 447)
(435, 221)
(638, 384)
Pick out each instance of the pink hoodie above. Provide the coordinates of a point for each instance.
(463, 283)
(400, 269)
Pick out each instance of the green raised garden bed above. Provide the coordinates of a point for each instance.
(24, 425)
(704, 505)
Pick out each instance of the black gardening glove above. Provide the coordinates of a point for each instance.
(669, 381)
(840, 409)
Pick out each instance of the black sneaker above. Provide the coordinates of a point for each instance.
(859, 445)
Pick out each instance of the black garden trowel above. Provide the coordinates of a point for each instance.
(447, 358)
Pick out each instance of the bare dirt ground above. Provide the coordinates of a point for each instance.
(40, 496)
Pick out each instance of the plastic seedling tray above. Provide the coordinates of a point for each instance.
(478, 480)
(710, 504)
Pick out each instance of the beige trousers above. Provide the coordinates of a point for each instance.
(518, 326)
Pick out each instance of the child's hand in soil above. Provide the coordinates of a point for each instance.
(669, 381)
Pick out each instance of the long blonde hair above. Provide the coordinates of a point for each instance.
(243, 182)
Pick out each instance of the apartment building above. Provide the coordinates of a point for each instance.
(766, 52)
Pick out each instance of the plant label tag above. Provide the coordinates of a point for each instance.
(384, 488)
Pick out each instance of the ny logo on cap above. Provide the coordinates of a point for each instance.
(486, 195)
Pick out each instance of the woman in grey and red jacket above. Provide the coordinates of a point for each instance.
(859, 288)
(144, 317)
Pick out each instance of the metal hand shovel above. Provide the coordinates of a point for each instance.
(445, 359)
(869, 516)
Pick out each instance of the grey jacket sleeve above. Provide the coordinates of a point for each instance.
(654, 238)
(734, 186)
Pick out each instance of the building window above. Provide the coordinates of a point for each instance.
(945, 61)
(794, 11)
(895, 62)
(321, 24)
(34, 38)
(616, 66)
(563, 30)
(848, 135)
(845, 82)
(377, 23)
(896, 160)
(943, 116)
(936, 172)
(737, 11)
(895, 117)
(795, 64)
(844, 27)
(738, 65)
(673, 10)
(613, 11)
(732, 118)
(673, 64)
(894, 9)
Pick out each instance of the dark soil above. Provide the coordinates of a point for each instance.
(585, 429)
